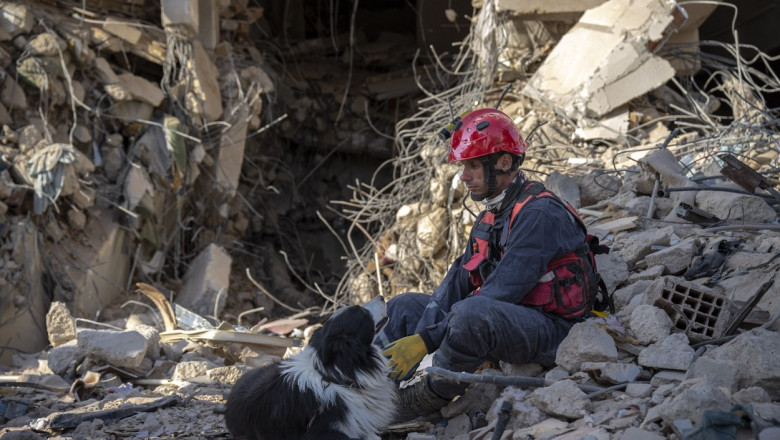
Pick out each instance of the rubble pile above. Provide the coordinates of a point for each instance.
(120, 139)
(135, 147)
(676, 175)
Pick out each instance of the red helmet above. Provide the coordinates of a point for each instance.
(483, 132)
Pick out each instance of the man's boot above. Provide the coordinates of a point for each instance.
(418, 400)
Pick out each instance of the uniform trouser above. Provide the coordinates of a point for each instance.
(479, 329)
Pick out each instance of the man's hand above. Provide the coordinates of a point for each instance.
(405, 355)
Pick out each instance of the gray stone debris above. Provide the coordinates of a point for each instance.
(751, 359)
(673, 352)
(585, 343)
(562, 399)
(674, 259)
(650, 324)
(151, 178)
(119, 348)
(612, 372)
(60, 325)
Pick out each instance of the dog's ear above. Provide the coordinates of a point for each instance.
(343, 344)
(345, 354)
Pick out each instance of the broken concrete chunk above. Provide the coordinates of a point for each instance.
(640, 244)
(60, 325)
(105, 72)
(15, 18)
(562, 398)
(751, 395)
(676, 258)
(225, 375)
(531, 8)
(651, 274)
(125, 30)
(639, 389)
(113, 160)
(522, 413)
(717, 372)
(609, 47)
(596, 186)
(612, 372)
(754, 357)
(745, 286)
(735, 207)
(104, 250)
(24, 300)
(12, 95)
(565, 187)
(81, 136)
(206, 282)
(691, 402)
(190, 370)
(118, 348)
(672, 353)
(152, 336)
(661, 393)
(46, 45)
(137, 186)
(181, 13)
(650, 324)
(429, 231)
(64, 358)
(672, 174)
(230, 155)
(612, 127)
(613, 269)
(585, 342)
(131, 87)
(667, 377)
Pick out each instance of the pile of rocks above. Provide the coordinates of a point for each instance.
(692, 266)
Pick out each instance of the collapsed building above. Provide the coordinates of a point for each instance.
(131, 145)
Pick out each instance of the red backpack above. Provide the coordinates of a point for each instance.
(571, 285)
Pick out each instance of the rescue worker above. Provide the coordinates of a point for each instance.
(480, 310)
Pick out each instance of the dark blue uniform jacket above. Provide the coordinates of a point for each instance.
(542, 232)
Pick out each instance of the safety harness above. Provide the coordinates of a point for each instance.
(571, 285)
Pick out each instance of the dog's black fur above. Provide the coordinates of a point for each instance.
(334, 389)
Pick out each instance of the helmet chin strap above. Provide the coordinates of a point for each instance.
(490, 172)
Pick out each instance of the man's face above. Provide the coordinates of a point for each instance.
(473, 176)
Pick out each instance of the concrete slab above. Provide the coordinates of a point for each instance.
(23, 301)
(230, 156)
(93, 267)
(206, 282)
(604, 60)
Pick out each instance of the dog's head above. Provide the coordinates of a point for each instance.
(344, 343)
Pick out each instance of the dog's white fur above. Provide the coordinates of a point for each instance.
(370, 403)
(335, 388)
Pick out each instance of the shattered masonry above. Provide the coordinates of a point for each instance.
(138, 167)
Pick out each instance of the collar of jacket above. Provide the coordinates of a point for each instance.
(510, 194)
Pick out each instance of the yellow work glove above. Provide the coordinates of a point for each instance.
(405, 355)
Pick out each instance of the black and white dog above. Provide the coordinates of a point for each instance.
(334, 389)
